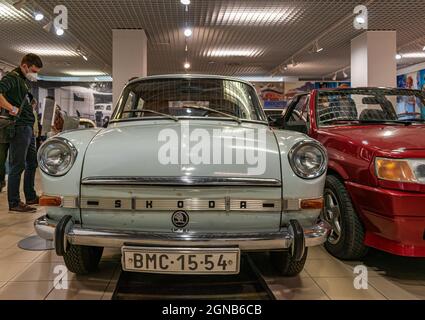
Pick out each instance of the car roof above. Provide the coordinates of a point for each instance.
(189, 76)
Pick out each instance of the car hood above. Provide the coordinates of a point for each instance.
(388, 138)
(159, 149)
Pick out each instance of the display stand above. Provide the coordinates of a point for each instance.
(35, 243)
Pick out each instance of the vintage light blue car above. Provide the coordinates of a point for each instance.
(186, 176)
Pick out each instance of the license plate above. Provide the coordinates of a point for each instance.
(181, 260)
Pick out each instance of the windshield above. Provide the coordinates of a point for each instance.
(379, 105)
(189, 97)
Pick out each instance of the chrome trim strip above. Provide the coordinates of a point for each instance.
(107, 203)
(314, 235)
(182, 181)
(173, 204)
(255, 205)
(70, 202)
(180, 204)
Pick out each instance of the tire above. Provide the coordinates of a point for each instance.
(82, 259)
(349, 245)
(286, 265)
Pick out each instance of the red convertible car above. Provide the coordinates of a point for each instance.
(375, 190)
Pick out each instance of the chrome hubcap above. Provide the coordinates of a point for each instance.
(332, 214)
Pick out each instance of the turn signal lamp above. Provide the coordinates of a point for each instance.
(50, 201)
(400, 170)
(312, 204)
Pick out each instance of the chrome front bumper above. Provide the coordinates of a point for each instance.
(314, 236)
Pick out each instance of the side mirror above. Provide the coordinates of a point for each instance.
(276, 121)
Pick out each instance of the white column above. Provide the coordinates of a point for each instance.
(373, 62)
(129, 58)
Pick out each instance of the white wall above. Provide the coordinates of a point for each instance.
(129, 58)
(373, 62)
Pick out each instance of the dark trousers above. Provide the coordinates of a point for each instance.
(22, 156)
(4, 147)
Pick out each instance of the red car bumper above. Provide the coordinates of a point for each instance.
(394, 220)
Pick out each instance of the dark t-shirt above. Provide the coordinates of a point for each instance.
(14, 88)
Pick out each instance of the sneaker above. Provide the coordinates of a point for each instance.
(34, 202)
(22, 207)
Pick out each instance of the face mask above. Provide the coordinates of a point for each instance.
(31, 76)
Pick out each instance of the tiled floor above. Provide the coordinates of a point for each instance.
(32, 274)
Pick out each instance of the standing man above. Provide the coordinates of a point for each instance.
(4, 148)
(15, 98)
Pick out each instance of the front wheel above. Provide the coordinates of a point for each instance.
(286, 264)
(346, 240)
(82, 259)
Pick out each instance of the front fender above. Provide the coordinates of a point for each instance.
(69, 184)
(294, 187)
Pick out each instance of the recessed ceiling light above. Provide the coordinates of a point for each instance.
(398, 56)
(234, 53)
(6, 11)
(246, 16)
(414, 55)
(60, 32)
(46, 52)
(188, 32)
(85, 57)
(186, 65)
(185, 2)
(38, 16)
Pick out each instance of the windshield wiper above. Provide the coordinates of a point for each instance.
(154, 112)
(340, 120)
(406, 123)
(213, 110)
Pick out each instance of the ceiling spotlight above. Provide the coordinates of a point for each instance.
(186, 65)
(360, 20)
(294, 63)
(335, 76)
(188, 32)
(48, 26)
(185, 2)
(60, 32)
(344, 74)
(85, 57)
(423, 48)
(19, 4)
(38, 16)
(283, 68)
(316, 47)
(398, 56)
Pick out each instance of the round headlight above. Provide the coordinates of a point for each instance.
(56, 156)
(308, 159)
